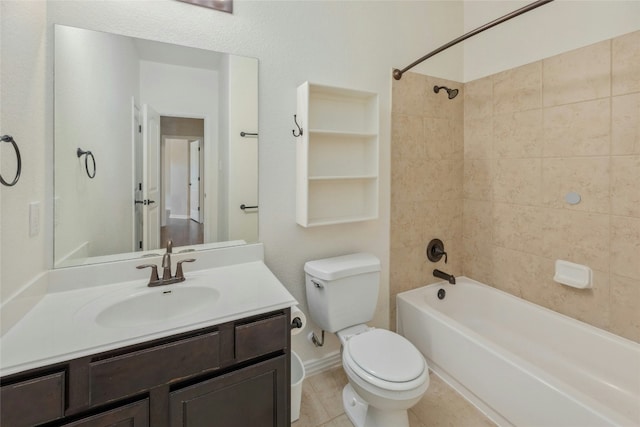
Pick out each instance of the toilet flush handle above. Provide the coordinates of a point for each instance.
(317, 284)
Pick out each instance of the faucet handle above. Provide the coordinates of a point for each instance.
(435, 251)
(179, 272)
(154, 272)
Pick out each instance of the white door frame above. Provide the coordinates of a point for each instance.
(209, 173)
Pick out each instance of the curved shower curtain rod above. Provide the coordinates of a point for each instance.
(397, 74)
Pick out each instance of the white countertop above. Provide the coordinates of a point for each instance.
(53, 331)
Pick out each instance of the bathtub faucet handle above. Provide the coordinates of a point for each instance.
(442, 253)
(435, 251)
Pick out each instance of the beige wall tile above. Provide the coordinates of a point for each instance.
(416, 223)
(625, 185)
(515, 270)
(580, 129)
(477, 231)
(477, 234)
(587, 305)
(625, 246)
(412, 181)
(410, 268)
(625, 124)
(517, 181)
(587, 176)
(518, 134)
(408, 222)
(625, 299)
(478, 138)
(518, 227)
(478, 179)
(444, 220)
(626, 63)
(518, 89)
(477, 220)
(446, 179)
(408, 94)
(578, 75)
(578, 237)
(478, 98)
(478, 260)
(443, 138)
(407, 137)
(542, 291)
(438, 104)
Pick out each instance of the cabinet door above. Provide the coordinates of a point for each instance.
(46, 393)
(257, 395)
(135, 414)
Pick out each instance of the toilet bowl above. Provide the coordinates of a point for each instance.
(387, 374)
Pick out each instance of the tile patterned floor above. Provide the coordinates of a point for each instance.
(440, 406)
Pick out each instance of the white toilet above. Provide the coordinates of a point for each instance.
(387, 374)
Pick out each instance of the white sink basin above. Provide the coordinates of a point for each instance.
(148, 306)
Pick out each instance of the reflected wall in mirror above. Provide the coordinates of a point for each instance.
(163, 123)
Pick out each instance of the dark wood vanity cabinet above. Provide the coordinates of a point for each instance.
(233, 374)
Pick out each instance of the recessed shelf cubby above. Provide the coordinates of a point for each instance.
(337, 155)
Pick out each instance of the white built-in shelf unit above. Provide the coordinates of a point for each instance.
(337, 155)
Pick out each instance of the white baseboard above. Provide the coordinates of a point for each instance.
(325, 363)
(177, 216)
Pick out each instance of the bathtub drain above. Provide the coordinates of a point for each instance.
(441, 293)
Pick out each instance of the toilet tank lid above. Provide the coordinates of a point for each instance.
(342, 266)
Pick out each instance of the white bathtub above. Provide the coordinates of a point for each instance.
(519, 363)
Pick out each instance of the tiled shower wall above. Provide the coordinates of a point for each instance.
(531, 135)
(427, 169)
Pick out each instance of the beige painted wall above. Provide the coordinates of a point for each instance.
(570, 122)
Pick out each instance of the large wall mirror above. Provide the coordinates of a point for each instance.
(153, 142)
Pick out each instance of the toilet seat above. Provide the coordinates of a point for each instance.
(386, 360)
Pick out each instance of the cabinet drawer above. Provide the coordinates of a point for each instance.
(134, 414)
(34, 401)
(135, 372)
(261, 337)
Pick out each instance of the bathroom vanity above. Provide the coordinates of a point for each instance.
(232, 374)
(84, 357)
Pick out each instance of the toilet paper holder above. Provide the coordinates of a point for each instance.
(296, 323)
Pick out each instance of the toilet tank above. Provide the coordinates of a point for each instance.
(342, 291)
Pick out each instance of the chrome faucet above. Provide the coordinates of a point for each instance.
(167, 278)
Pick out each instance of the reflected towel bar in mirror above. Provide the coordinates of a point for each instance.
(9, 139)
(80, 152)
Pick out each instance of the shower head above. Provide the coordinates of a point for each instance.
(451, 92)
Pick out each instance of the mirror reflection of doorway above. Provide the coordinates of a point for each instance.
(181, 169)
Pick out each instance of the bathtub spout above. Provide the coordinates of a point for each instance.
(442, 275)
